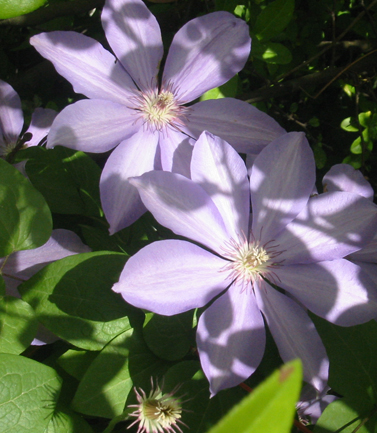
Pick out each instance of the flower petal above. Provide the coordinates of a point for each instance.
(330, 227)
(281, 181)
(92, 126)
(11, 117)
(170, 277)
(92, 70)
(220, 171)
(176, 150)
(21, 265)
(206, 53)
(41, 121)
(339, 291)
(183, 206)
(134, 35)
(343, 177)
(367, 254)
(120, 200)
(294, 333)
(231, 339)
(243, 126)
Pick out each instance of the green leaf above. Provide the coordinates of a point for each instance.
(25, 219)
(357, 145)
(200, 412)
(15, 8)
(348, 416)
(353, 357)
(273, 19)
(67, 421)
(227, 90)
(272, 53)
(28, 394)
(273, 400)
(67, 179)
(72, 297)
(76, 362)
(18, 325)
(125, 362)
(169, 337)
(2, 286)
(348, 125)
(319, 156)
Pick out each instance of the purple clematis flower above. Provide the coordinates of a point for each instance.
(12, 122)
(290, 241)
(147, 118)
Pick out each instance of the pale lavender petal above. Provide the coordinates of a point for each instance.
(371, 270)
(243, 126)
(11, 117)
(92, 70)
(176, 150)
(367, 254)
(206, 53)
(120, 200)
(134, 35)
(231, 339)
(281, 181)
(330, 227)
(183, 206)
(92, 125)
(170, 277)
(294, 333)
(41, 121)
(21, 265)
(220, 171)
(338, 290)
(343, 177)
(312, 404)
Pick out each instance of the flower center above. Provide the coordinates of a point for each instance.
(249, 260)
(159, 110)
(165, 413)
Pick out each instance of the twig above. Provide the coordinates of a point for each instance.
(306, 62)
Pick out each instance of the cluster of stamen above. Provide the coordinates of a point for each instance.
(157, 412)
(159, 109)
(249, 260)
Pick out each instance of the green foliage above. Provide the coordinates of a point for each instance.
(72, 297)
(353, 358)
(28, 394)
(348, 415)
(25, 219)
(18, 325)
(125, 362)
(227, 90)
(169, 338)
(14, 8)
(273, 19)
(274, 399)
(67, 179)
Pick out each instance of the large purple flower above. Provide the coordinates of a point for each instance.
(291, 241)
(12, 122)
(129, 106)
